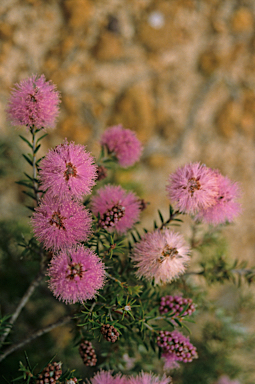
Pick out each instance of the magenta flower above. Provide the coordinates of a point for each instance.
(149, 378)
(176, 347)
(68, 171)
(76, 274)
(161, 255)
(106, 377)
(226, 207)
(123, 143)
(226, 380)
(118, 209)
(34, 102)
(60, 223)
(193, 187)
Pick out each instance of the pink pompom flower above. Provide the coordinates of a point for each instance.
(118, 209)
(106, 377)
(226, 207)
(34, 102)
(149, 378)
(193, 187)
(161, 255)
(123, 143)
(76, 275)
(60, 223)
(67, 171)
(226, 380)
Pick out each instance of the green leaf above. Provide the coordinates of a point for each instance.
(29, 194)
(40, 138)
(26, 141)
(25, 183)
(160, 216)
(27, 159)
(37, 148)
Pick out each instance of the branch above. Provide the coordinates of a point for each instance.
(39, 333)
(22, 303)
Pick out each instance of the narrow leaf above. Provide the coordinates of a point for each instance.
(27, 159)
(40, 138)
(26, 141)
(160, 216)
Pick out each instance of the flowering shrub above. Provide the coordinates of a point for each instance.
(129, 288)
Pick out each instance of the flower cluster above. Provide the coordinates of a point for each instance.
(204, 192)
(123, 143)
(34, 103)
(226, 380)
(106, 377)
(161, 255)
(175, 347)
(176, 305)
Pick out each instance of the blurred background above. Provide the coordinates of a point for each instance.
(181, 73)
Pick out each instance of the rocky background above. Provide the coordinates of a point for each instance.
(181, 73)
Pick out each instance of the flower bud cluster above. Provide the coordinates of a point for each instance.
(87, 353)
(50, 374)
(110, 333)
(176, 346)
(175, 305)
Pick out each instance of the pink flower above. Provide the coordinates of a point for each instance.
(118, 209)
(60, 223)
(161, 255)
(176, 347)
(226, 380)
(149, 378)
(76, 275)
(123, 143)
(68, 171)
(34, 102)
(193, 187)
(175, 305)
(106, 377)
(226, 207)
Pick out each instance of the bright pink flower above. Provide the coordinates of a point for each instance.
(193, 187)
(226, 207)
(60, 223)
(106, 377)
(118, 209)
(76, 274)
(123, 143)
(149, 378)
(68, 171)
(161, 255)
(226, 380)
(34, 102)
(175, 305)
(176, 347)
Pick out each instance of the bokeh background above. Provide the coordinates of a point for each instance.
(181, 73)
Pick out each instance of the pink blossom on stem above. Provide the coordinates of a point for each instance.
(123, 143)
(34, 102)
(68, 171)
(226, 207)
(118, 209)
(106, 377)
(149, 378)
(76, 274)
(161, 255)
(226, 380)
(193, 187)
(60, 223)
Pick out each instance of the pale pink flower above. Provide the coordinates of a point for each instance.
(60, 223)
(193, 187)
(124, 145)
(118, 209)
(176, 347)
(226, 207)
(106, 377)
(76, 274)
(68, 171)
(149, 378)
(34, 102)
(226, 380)
(161, 255)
